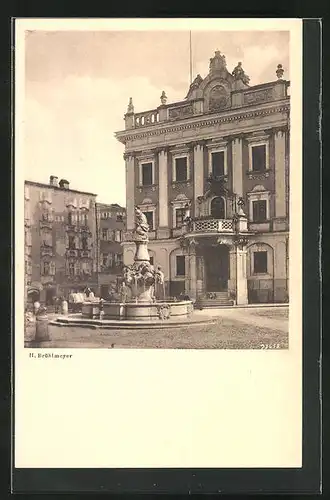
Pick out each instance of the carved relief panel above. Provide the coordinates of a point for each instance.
(217, 96)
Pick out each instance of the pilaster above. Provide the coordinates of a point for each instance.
(130, 189)
(193, 281)
(198, 171)
(237, 165)
(232, 270)
(280, 177)
(199, 274)
(240, 245)
(241, 277)
(163, 188)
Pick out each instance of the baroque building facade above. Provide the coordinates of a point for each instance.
(211, 173)
(60, 240)
(111, 228)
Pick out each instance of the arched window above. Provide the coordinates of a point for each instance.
(218, 208)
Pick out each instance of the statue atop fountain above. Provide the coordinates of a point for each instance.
(141, 276)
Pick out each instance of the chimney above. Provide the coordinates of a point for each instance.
(53, 180)
(64, 184)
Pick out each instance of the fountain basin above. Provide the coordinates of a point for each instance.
(138, 311)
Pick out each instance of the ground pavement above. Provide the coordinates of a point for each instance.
(235, 328)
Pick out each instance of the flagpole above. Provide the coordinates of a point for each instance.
(190, 56)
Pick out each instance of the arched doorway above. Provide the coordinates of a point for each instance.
(218, 208)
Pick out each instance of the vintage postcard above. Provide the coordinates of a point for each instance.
(158, 243)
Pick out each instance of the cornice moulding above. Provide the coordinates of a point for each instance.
(198, 122)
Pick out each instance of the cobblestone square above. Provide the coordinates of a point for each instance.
(241, 328)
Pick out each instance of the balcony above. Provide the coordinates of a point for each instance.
(72, 252)
(212, 226)
(72, 227)
(85, 253)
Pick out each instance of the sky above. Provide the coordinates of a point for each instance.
(78, 84)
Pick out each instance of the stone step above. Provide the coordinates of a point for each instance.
(218, 302)
(215, 302)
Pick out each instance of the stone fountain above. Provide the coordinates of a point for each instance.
(137, 294)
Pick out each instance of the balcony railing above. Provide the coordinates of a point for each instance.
(212, 226)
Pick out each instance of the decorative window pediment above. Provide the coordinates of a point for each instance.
(147, 205)
(45, 197)
(72, 202)
(258, 188)
(84, 204)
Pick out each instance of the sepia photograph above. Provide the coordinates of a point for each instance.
(156, 200)
(158, 244)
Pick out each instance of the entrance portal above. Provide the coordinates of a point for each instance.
(217, 268)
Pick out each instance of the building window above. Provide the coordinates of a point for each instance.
(104, 259)
(180, 215)
(72, 243)
(104, 234)
(119, 218)
(85, 267)
(260, 262)
(118, 236)
(146, 174)
(45, 268)
(84, 243)
(71, 268)
(118, 259)
(218, 163)
(181, 169)
(259, 160)
(259, 209)
(47, 216)
(151, 261)
(84, 219)
(70, 219)
(47, 239)
(180, 265)
(150, 219)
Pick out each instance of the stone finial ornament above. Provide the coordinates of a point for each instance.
(218, 62)
(130, 107)
(239, 74)
(163, 98)
(279, 71)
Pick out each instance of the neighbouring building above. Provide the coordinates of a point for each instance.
(111, 227)
(211, 173)
(60, 240)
